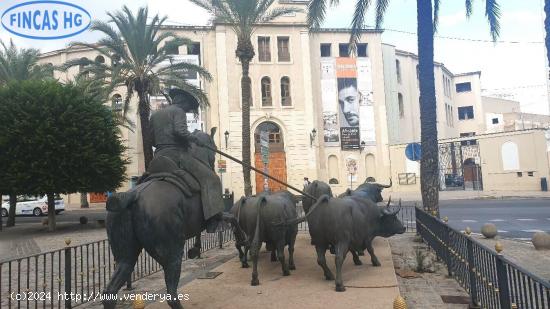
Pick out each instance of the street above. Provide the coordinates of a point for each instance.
(514, 218)
(66, 216)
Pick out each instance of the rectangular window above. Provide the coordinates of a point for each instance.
(463, 87)
(325, 49)
(343, 50)
(530, 174)
(520, 174)
(194, 49)
(264, 51)
(362, 50)
(283, 50)
(468, 142)
(495, 120)
(466, 112)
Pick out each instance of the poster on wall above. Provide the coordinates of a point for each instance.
(330, 112)
(348, 103)
(366, 101)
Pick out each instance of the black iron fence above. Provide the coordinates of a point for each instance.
(492, 280)
(47, 280)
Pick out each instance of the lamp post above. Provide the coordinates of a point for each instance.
(226, 134)
(362, 146)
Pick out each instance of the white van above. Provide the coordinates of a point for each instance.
(32, 205)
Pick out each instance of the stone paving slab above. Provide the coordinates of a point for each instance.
(367, 286)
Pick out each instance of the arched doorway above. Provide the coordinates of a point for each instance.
(370, 166)
(472, 175)
(276, 166)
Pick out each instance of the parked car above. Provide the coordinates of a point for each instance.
(31, 205)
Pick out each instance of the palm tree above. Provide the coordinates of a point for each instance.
(244, 16)
(18, 65)
(141, 61)
(427, 17)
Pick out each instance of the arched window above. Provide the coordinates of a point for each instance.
(398, 70)
(49, 69)
(266, 92)
(116, 102)
(276, 142)
(333, 171)
(510, 156)
(285, 91)
(100, 59)
(400, 105)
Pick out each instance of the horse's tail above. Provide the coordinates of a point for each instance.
(256, 244)
(120, 231)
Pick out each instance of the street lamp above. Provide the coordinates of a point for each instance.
(312, 136)
(362, 146)
(226, 134)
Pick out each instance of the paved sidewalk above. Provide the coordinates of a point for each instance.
(467, 195)
(367, 286)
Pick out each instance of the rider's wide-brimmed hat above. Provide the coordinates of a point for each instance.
(187, 97)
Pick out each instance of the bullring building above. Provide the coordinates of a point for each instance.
(340, 118)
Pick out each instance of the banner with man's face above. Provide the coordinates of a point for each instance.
(348, 102)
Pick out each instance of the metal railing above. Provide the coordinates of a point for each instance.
(44, 280)
(491, 279)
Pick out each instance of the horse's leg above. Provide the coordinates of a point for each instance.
(356, 259)
(172, 272)
(281, 257)
(123, 270)
(342, 249)
(245, 256)
(195, 252)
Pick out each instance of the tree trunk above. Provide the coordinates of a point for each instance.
(246, 95)
(547, 28)
(429, 168)
(11, 213)
(51, 212)
(84, 200)
(144, 110)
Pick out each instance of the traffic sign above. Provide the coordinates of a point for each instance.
(413, 152)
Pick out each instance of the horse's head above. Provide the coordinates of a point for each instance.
(203, 154)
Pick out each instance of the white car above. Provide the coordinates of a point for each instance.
(36, 206)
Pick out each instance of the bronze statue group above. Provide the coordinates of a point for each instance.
(180, 196)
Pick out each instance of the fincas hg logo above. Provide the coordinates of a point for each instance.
(46, 20)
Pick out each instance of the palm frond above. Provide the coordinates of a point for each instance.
(492, 11)
(381, 7)
(436, 15)
(358, 22)
(316, 13)
(278, 12)
(469, 8)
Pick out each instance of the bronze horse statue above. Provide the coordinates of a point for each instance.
(160, 220)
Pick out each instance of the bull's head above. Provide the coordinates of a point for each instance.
(389, 223)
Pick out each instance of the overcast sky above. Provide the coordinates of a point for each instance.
(514, 68)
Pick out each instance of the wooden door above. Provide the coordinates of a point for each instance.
(276, 168)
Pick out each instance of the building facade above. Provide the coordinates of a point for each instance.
(328, 115)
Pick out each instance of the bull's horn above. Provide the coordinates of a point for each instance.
(385, 186)
(389, 201)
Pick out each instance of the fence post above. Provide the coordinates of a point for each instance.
(502, 278)
(220, 238)
(447, 246)
(471, 269)
(68, 274)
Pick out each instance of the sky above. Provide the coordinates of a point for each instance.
(513, 68)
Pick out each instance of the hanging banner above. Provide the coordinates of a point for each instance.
(366, 101)
(328, 94)
(348, 102)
